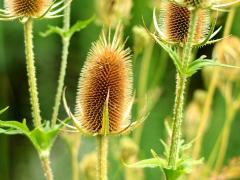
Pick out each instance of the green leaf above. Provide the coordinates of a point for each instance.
(10, 131)
(3, 110)
(42, 137)
(148, 163)
(79, 25)
(202, 62)
(53, 30)
(171, 51)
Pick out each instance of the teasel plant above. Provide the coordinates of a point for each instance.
(181, 27)
(105, 98)
(28, 11)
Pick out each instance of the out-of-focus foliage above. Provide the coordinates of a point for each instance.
(19, 161)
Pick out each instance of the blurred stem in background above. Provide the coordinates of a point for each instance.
(205, 114)
(180, 94)
(142, 86)
(4, 101)
(65, 51)
(207, 110)
(232, 106)
(73, 142)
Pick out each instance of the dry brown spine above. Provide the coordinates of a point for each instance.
(27, 8)
(107, 70)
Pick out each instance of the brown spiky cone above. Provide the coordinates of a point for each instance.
(27, 8)
(174, 21)
(106, 77)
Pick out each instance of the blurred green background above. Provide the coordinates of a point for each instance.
(19, 160)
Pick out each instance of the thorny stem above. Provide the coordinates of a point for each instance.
(46, 166)
(102, 151)
(32, 81)
(180, 96)
(65, 51)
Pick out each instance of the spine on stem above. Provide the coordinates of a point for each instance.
(180, 96)
(102, 150)
(46, 166)
(32, 81)
(65, 51)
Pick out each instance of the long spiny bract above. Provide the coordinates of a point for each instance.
(107, 70)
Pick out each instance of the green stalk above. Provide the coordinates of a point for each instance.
(142, 86)
(102, 150)
(231, 112)
(74, 158)
(46, 166)
(180, 96)
(32, 81)
(65, 51)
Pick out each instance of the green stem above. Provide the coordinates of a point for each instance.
(46, 166)
(102, 151)
(32, 81)
(65, 51)
(205, 115)
(74, 155)
(142, 86)
(180, 96)
(177, 121)
(231, 112)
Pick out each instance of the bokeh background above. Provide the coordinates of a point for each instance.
(18, 158)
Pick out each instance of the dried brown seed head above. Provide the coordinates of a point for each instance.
(110, 12)
(27, 8)
(175, 20)
(227, 52)
(107, 72)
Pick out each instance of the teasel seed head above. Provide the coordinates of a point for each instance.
(105, 86)
(110, 12)
(174, 21)
(227, 52)
(27, 8)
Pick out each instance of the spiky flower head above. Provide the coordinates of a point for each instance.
(173, 23)
(25, 9)
(28, 8)
(104, 97)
